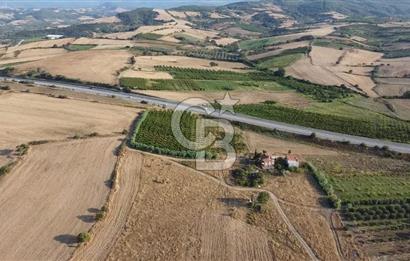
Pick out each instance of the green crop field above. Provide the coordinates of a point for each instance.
(227, 80)
(374, 193)
(382, 128)
(79, 47)
(153, 133)
(280, 61)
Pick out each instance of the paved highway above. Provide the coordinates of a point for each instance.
(272, 125)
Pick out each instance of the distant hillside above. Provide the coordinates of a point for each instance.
(308, 9)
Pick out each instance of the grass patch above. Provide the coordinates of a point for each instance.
(280, 61)
(79, 47)
(148, 36)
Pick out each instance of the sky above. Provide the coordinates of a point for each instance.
(121, 3)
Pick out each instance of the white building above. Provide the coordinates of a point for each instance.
(54, 36)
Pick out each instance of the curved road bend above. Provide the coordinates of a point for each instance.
(272, 125)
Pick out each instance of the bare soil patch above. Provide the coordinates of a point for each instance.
(60, 184)
(92, 65)
(29, 117)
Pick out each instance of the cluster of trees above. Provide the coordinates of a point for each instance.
(377, 212)
(326, 186)
(248, 176)
(214, 55)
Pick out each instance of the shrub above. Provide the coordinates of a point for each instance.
(263, 197)
(21, 149)
(83, 237)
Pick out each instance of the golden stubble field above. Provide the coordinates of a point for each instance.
(328, 66)
(51, 196)
(92, 65)
(30, 117)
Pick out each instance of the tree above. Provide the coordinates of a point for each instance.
(281, 165)
(213, 64)
(83, 237)
(280, 72)
(263, 197)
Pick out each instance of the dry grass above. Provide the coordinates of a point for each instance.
(50, 197)
(392, 86)
(256, 141)
(104, 20)
(181, 215)
(394, 68)
(226, 41)
(92, 65)
(29, 117)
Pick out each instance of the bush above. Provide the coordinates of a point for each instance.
(83, 237)
(263, 197)
(247, 177)
(21, 149)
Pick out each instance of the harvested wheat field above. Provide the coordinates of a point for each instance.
(41, 44)
(286, 98)
(104, 43)
(329, 66)
(304, 205)
(392, 86)
(31, 117)
(104, 20)
(257, 141)
(225, 41)
(91, 66)
(146, 74)
(61, 185)
(163, 15)
(394, 68)
(278, 49)
(180, 214)
(149, 62)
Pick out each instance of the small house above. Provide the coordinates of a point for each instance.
(293, 162)
(54, 36)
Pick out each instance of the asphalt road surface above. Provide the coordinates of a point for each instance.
(272, 125)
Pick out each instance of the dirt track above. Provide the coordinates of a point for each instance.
(51, 196)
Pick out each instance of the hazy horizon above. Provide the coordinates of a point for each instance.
(118, 3)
